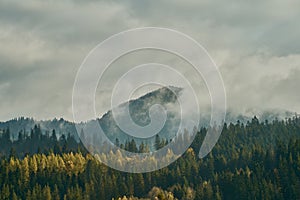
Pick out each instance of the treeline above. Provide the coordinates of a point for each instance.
(47, 142)
(36, 141)
(256, 160)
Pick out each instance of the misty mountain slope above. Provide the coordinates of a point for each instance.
(138, 109)
(139, 113)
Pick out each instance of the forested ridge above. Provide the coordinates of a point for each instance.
(255, 160)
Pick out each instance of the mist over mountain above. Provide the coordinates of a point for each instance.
(139, 112)
(269, 115)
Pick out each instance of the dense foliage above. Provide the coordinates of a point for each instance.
(256, 160)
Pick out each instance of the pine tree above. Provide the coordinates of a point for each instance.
(47, 193)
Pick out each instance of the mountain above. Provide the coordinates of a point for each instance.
(139, 112)
(138, 109)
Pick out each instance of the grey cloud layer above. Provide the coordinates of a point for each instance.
(42, 44)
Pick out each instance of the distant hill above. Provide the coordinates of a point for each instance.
(26, 124)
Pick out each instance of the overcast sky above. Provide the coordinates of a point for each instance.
(255, 44)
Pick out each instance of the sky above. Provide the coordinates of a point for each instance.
(255, 45)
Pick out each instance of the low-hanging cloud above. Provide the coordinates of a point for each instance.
(42, 44)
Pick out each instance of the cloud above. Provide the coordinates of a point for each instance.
(42, 44)
(263, 82)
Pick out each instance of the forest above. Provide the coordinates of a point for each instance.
(252, 160)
